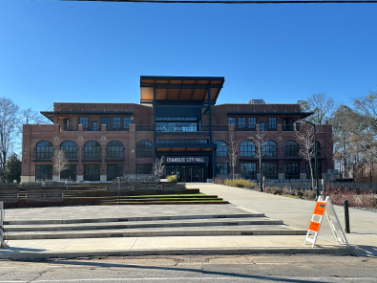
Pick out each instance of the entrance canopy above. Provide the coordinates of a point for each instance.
(180, 88)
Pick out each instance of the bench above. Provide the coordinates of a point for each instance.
(9, 195)
(43, 196)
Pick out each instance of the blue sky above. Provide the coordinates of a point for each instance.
(95, 51)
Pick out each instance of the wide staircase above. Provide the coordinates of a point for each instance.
(148, 226)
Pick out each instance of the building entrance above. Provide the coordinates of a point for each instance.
(188, 173)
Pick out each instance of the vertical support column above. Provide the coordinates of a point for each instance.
(154, 123)
(210, 130)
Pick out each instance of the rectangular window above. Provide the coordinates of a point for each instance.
(262, 126)
(126, 122)
(43, 172)
(95, 126)
(106, 121)
(308, 175)
(69, 174)
(272, 123)
(222, 168)
(249, 171)
(242, 122)
(91, 172)
(231, 121)
(292, 170)
(116, 122)
(143, 168)
(114, 171)
(252, 122)
(84, 121)
(270, 170)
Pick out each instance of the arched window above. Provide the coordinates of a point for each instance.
(247, 148)
(114, 149)
(92, 149)
(144, 149)
(69, 148)
(269, 148)
(45, 149)
(221, 149)
(290, 148)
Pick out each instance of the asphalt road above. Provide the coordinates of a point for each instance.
(249, 268)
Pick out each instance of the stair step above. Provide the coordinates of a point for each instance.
(154, 232)
(134, 218)
(145, 224)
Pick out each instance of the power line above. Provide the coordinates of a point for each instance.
(235, 2)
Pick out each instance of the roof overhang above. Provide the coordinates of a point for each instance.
(302, 114)
(180, 88)
(50, 114)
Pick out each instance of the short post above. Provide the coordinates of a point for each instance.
(2, 244)
(347, 216)
(118, 190)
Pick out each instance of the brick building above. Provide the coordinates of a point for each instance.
(177, 118)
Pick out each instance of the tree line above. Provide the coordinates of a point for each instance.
(354, 131)
(12, 118)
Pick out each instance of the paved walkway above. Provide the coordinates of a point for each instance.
(297, 213)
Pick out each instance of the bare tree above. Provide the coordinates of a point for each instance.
(258, 140)
(158, 167)
(324, 107)
(306, 140)
(8, 130)
(60, 162)
(233, 151)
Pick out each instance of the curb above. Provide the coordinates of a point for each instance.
(226, 251)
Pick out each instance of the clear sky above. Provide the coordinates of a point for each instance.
(96, 51)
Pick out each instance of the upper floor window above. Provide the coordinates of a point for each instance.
(116, 122)
(84, 121)
(92, 149)
(126, 122)
(144, 149)
(114, 149)
(247, 149)
(69, 148)
(231, 121)
(252, 122)
(221, 149)
(290, 148)
(106, 121)
(44, 149)
(262, 126)
(272, 122)
(241, 122)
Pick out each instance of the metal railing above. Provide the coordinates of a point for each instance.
(144, 128)
(70, 128)
(91, 129)
(291, 127)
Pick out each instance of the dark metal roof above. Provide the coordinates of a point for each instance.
(170, 88)
(50, 114)
(305, 114)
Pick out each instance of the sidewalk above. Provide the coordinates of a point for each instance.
(297, 213)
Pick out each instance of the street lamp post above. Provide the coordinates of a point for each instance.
(315, 162)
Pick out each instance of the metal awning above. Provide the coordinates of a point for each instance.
(180, 88)
(50, 114)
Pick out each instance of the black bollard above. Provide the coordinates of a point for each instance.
(347, 216)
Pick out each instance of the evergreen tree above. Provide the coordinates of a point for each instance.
(13, 168)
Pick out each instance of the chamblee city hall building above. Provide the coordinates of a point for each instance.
(177, 119)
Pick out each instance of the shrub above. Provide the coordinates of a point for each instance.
(276, 191)
(310, 194)
(240, 183)
(172, 178)
(300, 193)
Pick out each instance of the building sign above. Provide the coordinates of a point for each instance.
(186, 159)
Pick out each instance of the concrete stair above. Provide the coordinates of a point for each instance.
(179, 225)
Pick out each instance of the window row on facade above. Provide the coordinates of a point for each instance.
(92, 149)
(251, 123)
(269, 170)
(95, 125)
(269, 149)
